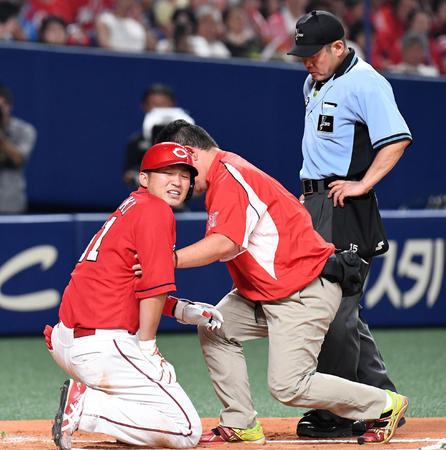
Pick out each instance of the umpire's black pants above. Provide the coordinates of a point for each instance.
(349, 350)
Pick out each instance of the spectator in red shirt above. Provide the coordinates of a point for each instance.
(281, 27)
(67, 9)
(441, 53)
(419, 21)
(415, 49)
(390, 22)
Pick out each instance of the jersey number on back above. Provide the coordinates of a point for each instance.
(94, 252)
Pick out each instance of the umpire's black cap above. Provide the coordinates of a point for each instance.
(314, 30)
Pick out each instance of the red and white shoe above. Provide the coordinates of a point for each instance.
(382, 430)
(223, 435)
(68, 417)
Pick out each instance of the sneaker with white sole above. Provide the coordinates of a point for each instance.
(384, 428)
(223, 435)
(68, 416)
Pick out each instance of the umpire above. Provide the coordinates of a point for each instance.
(354, 135)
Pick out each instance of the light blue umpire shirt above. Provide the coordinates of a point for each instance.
(348, 120)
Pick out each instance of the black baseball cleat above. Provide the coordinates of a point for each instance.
(323, 424)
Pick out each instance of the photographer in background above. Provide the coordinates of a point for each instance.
(17, 139)
(160, 107)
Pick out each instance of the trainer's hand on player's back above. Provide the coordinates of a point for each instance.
(48, 331)
(137, 267)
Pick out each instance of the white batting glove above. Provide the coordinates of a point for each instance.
(165, 372)
(196, 313)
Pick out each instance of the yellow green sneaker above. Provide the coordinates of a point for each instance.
(383, 429)
(222, 435)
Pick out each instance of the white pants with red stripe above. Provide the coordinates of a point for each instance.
(123, 399)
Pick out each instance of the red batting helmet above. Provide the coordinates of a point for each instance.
(168, 154)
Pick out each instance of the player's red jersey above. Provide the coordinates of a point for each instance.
(103, 291)
(282, 252)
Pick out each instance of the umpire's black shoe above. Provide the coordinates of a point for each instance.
(323, 424)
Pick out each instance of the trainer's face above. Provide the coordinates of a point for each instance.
(323, 64)
(201, 164)
(170, 183)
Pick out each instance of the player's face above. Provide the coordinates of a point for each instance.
(323, 64)
(169, 183)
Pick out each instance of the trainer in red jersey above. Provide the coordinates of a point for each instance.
(255, 211)
(275, 258)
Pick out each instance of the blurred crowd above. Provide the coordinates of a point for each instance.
(406, 36)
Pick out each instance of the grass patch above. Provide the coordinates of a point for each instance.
(416, 360)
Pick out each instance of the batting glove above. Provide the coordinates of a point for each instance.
(196, 313)
(164, 370)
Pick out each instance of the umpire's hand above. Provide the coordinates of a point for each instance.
(343, 188)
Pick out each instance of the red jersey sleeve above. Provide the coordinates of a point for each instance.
(155, 239)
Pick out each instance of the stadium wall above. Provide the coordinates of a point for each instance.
(406, 286)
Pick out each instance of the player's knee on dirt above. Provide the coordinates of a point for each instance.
(196, 433)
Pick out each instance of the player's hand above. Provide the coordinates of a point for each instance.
(195, 313)
(340, 189)
(164, 371)
(137, 267)
(47, 333)
(302, 198)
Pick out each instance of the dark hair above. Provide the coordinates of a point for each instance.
(356, 28)
(8, 10)
(47, 21)
(185, 133)
(5, 93)
(414, 12)
(159, 88)
(185, 24)
(436, 5)
(184, 15)
(411, 38)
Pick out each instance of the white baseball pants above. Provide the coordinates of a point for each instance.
(123, 398)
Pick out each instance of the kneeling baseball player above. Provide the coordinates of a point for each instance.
(106, 337)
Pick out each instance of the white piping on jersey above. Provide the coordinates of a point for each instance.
(261, 236)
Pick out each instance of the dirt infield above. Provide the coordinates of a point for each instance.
(280, 434)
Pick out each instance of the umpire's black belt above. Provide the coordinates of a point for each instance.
(311, 186)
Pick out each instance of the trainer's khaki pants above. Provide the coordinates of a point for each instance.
(296, 327)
